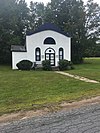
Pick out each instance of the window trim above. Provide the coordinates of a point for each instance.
(38, 56)
(61, 56)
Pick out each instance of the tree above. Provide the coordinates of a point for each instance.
(92, 19)
(21, 21)
(69, 15)
(12, 26)
(92, 28)
(6, 10)
(36, 14)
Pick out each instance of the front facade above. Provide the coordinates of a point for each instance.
(47, 43)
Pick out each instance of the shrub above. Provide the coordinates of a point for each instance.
(24, 65)
(46, 65)
(65, 65)
(77, 59)
(71, 64)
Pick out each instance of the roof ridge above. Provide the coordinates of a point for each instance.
(48, 26)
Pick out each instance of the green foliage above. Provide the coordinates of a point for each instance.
(46, 65)
(93, 49)
(77, 58)
(36, 16)
(81, 22)
(65, 65)
(24, 65)
(92, 20)
(69, 15)
(92, 28)
(13, 22)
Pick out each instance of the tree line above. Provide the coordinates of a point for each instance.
(81, 22)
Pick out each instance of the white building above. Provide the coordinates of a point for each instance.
(48, 42)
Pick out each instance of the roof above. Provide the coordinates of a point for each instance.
(16, 48)
(47, 26)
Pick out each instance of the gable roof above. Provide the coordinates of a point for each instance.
(47, 26)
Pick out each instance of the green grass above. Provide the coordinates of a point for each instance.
(19, 90)
(90, 69)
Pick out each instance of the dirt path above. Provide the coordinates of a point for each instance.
(78, 77)
(81, 120)
(6, 118)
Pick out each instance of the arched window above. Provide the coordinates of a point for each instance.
(37, 54)
(49, 40)
(61, 54)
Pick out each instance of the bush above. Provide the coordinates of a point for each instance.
(65, 65)
(24, 65)
(71, 65)
(46, 65)
(77, 59)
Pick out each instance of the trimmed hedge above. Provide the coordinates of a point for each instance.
(65, 65)
(46, 65)
(24, 65)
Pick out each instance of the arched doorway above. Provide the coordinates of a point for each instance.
(50, 55)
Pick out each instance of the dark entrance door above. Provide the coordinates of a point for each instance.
(50, 55)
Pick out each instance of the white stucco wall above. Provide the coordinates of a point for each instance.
(17, 57)
(37, 40)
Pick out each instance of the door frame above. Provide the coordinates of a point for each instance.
(49, 52)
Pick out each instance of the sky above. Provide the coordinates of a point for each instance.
(46, 1)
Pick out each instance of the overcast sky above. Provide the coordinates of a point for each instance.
(46, 1)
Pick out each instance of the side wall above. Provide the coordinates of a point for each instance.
(17, 57)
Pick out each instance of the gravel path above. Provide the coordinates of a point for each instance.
(83, 120)
(78, 77)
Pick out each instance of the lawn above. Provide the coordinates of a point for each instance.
(22, 90)
(90, 69)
